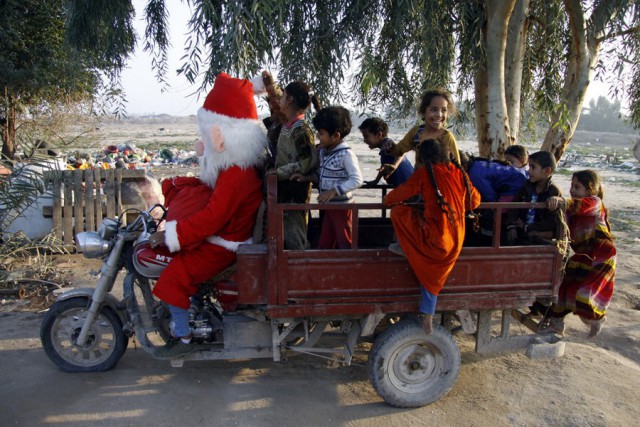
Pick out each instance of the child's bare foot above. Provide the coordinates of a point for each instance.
(596, 327)
(555, 326)
(427, 324)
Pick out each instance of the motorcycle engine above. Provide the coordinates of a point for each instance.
(205, 320)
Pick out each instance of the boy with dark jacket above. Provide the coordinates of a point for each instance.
(530, 225)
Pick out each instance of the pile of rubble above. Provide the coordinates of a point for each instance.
(128, 156)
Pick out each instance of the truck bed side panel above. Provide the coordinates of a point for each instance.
(363, 281)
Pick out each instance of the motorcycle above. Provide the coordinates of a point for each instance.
(88, 330)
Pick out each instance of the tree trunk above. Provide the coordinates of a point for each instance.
(482, 125)
(580, 72)
(513, 67)
(496, 132)
(9, 127)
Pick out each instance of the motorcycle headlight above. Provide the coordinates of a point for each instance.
(91, 244)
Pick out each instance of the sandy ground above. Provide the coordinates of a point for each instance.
(595, 383)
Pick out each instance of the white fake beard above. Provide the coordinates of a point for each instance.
(245, 143)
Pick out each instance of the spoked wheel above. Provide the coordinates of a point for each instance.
(61, 326)
(408, 368)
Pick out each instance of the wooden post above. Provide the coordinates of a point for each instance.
(67, 210)
(89, 203)
(109, 191)
(78, 210)
(118, 193)
(99, 195)
(57, 208)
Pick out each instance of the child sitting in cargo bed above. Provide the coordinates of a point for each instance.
(527, 226)
(518, 157)
(496, 182)
(432, 239)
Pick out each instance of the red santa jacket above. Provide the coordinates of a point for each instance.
(226, 219)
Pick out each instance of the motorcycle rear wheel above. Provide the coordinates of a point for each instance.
(105, 344)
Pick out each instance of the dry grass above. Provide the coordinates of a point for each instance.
(28, 272)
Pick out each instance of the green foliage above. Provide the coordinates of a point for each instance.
(546, 56)
(102, 31)
(633, 91)
(563, 122)
(375, 53)
(157, 37)
(34, 61)
(39, 71)
(393, 49)
(471, 19)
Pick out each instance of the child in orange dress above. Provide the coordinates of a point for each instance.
(432, 239)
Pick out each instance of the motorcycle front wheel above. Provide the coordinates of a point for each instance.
(61, 326)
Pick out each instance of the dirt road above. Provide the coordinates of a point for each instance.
(594, 384)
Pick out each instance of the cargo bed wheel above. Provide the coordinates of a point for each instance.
(409, 368)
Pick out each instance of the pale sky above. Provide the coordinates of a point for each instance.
(143, 92)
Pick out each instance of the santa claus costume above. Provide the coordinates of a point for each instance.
(205, 236)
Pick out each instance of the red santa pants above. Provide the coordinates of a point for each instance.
(188, 269)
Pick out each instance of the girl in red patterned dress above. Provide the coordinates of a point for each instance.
(587, 287)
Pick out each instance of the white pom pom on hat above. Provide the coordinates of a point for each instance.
(258, 84)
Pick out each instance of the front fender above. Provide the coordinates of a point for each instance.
(109, 300)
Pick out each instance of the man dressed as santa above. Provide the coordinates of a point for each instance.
(208, 218)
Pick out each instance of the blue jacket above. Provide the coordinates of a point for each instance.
(402, 172)
(493, 179)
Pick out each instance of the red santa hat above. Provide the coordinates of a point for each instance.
(231, 106)
(233, 97)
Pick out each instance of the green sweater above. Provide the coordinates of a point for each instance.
(296, 154)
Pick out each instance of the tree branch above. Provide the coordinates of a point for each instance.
(602, 15)
(577, 25)
(618, 34)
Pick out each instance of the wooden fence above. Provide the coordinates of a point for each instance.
(82, 198)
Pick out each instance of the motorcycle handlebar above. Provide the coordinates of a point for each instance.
(147, 221)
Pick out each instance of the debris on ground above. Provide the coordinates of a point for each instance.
(28, 275)
(128, 156)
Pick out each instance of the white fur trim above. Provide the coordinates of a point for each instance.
(228, 244)
(258, 84)
(171, 236)
(245, 142)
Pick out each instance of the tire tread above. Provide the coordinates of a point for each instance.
(390, 338)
